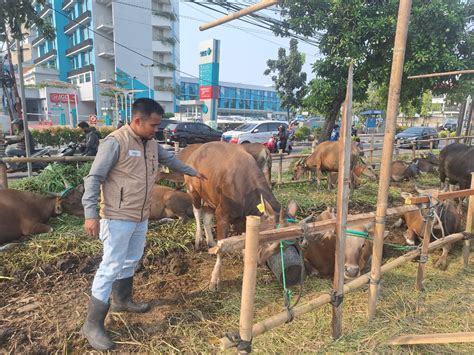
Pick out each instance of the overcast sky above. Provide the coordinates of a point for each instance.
(244, 52)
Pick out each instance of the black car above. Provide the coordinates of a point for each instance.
(185, 133)
(411, 136)
(159, 136)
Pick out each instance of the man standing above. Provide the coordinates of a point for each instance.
(91, 144)
(124, 170)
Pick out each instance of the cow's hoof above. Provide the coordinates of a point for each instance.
(211, 244)
(214, 287)
(441, 264)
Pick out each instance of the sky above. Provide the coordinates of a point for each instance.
(244, 53)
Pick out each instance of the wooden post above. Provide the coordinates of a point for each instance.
(280, 166)
(372, 139)
(342, 207)
(387, 151)
(176, 148)
(413, 151)
(436, 338)
(397, 152)
(431, 146)
(469, 226)
(249, 283)
(3, 176)
(424, 251)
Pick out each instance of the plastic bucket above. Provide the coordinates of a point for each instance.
(293, 266)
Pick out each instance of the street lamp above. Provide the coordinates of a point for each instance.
(149, 66)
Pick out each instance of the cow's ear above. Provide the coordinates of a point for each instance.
(269, 211)
(292, 209)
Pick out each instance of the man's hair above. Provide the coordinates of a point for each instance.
(83, 125)
(146, 107)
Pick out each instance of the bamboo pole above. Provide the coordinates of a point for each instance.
(372, 147)
(440, 338)
(46, 159)
(431, 146)
(282, 317)
(342, 208)
(424, 251)
(469, 226)
(458, 72)
(249, 283)
(413, 151)
(280, 168)
(387, 152)
(440, 196)
(3, 176)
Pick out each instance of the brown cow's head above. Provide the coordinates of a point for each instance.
(72, 201)
(299, 169)
(58, 209)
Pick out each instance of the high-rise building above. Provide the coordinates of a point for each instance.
(130, 44)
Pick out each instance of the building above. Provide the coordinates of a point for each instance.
(92, 47)
(236, 99)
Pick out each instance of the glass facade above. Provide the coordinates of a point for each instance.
(236, 97)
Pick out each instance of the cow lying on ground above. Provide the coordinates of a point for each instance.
(456, 165)
(357, 173)
(235, 186)
(320, 254)
(449, 222)
(325, 158)
(401, 171)
(427, 163)
(25, 213)
(170, 203)
(260, 153)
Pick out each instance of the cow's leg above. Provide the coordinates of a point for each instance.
(214, 285)
(207, 221)
(410, 237)
(318, 177)
(222, 231)
(198, 236)
(310, 269)
(442, 262)
(38, 228)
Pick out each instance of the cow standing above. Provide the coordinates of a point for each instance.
(235, 186)
(456, 164)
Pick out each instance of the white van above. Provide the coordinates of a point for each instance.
(253, 132)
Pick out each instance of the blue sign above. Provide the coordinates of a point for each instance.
(209, 74)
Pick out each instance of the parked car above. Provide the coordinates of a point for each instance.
(159, 136)
(253, 132)
(185, 133)
(449, 125)
(411, 136)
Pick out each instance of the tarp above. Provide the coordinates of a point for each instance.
(371, 112)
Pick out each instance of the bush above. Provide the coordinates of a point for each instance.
(58, 136)
(443, 134)
(302, 133)
(401, 128)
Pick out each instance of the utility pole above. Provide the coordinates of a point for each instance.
(19, 53)
(149, 66)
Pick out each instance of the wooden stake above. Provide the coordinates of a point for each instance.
(469, 226)
(387, 151)
(467, 71)
(440, 338)
(249, 281)
(45, 159)
(342, 207)
(424, 251)
(280, 167)
(282, 317)
(372, 141)
(3, 176)
(413, 151)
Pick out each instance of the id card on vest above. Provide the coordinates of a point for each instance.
(134, 153)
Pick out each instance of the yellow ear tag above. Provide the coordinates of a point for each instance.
(261, 207)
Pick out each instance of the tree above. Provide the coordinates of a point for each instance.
(364, 31)
(290, 82)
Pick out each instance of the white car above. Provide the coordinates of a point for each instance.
(253, 132)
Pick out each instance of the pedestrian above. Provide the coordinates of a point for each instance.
(282, 138)
(353, 130)
(90, 145)
(124, 171)
(360, 146)
(335, 133)
(20, 149)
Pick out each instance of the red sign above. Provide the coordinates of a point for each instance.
(63, 98)
(92, 119)
(208, 92)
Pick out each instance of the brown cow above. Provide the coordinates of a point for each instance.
(402, 171)
(235, 186)
(170, 203)
(24, 213)
(325, 158)
(320, 254)
(448, 221)
(357, 172)
(260, 153)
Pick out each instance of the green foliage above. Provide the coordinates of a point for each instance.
(302, 133)
(363, 32)
(58, 136)
(290, 82)
(443, 134)
(53, 178)
(168, 115)
(375, 100)
(401, 128)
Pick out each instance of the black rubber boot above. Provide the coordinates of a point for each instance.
(93, 329)
(122, 292)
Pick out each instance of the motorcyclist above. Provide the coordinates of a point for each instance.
(291, 136)
(334, 134)
(91, 143)
(20, 149)
(282, 138)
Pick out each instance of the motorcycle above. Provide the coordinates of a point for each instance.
(271, 144)
(37, 166)
(68, 151)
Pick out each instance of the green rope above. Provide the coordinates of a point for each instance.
(365, 235)
(287, 292)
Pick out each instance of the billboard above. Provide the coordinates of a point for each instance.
(209, 56)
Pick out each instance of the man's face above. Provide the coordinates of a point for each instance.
(146, 128)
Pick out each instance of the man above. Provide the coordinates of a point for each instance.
(19, 140)
(282, 138)
(334, 134)
(124, 170)
(91, 144)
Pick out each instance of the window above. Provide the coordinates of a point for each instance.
(81, 79)
(87, 77)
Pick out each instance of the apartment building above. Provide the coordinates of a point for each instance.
(128, 44)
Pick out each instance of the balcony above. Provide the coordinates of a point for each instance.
(46, 11)
(67, 4)
(83, 19)
(106, 52)
(51, 55)
(82, 70)
(84, 46)
(104, 2)
(105, 25)
(161, 22)
(162, 47)
(106, 77)
(38, 40)
(162, 72)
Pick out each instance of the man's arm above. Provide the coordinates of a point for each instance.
(17, 139)
(168, 159)
(104, 161)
